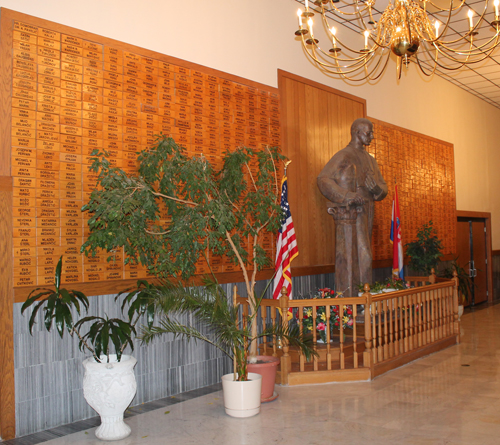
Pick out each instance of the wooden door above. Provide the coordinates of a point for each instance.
(472, 255)
(479, 261)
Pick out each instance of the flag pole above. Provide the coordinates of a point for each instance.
(287, 163)
(286, 244)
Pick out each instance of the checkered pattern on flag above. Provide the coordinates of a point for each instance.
(397, 243)
(286, 247)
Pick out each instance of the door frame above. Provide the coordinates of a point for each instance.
(489, 269)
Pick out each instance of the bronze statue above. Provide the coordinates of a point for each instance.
(351, 181)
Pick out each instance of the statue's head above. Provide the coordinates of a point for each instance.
(362, 130)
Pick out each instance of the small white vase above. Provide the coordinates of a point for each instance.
(242, 399)
(109, 388)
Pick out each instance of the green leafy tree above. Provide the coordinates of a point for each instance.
(177, 209)
(425, 251)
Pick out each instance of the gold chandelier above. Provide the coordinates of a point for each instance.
(429, 34)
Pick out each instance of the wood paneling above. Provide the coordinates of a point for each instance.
(74, 92)
(424, 170)
(316, 123)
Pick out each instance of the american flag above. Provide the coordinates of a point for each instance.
(286, 247)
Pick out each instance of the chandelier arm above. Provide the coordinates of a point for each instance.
(362, 55)
(315, 52)
(475, 52)
(352, 67)
(340, 13)
(446, 56)
(496, 37)
(481, 18)
(445, 28)
(376, 46)
(368, 74)
(443, 32)
(355, 64)
(384, 67)
(462, 2)
(461, 63)
(343, 45)
(422, 68)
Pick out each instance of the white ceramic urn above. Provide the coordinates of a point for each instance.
(109, 388)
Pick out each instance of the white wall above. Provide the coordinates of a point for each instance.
(254, 38)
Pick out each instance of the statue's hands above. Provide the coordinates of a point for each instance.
(352, 198)
(371, 184)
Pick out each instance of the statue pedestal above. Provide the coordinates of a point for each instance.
(346, 249)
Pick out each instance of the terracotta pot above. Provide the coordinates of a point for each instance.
(109, 388)
(267, 369)
(242, 399)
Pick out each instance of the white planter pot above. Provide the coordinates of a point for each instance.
(242, 399)
(460, 311)
(109, 388)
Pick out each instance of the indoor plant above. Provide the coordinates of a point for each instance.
(178, 209)
(465, 284)
(109, 383)
(218, 323)
(425, 251)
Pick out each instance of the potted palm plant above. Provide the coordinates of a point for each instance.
(218, 323)
(105, 338)
(465, 284)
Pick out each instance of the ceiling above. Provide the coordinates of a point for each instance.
(481, 79)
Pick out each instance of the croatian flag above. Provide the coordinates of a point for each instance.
(397, 244)
(286, 247)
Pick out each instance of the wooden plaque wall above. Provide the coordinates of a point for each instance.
(424, 170)
(73, 92)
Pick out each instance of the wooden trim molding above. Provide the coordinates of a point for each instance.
(7, 388)
(7, 384)
(495, 253)
(467, 214)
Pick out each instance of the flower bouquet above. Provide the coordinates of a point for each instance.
(389, 285)
(395, 284)
(335, 317)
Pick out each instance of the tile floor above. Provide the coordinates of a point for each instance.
(451, 397)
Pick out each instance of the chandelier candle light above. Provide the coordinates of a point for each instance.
(411, 30)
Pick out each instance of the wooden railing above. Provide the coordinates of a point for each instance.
(388, 330)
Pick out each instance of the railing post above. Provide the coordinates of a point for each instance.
(367, 354)
(286, 361)
(432, 277)
(456, 321)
